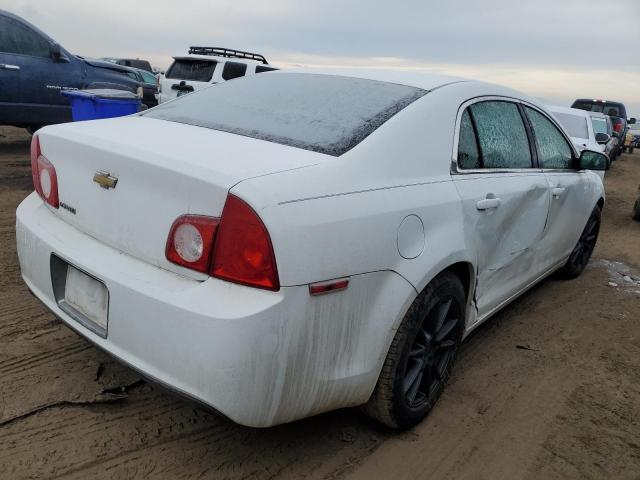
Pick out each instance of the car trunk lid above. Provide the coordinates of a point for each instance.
(156, 171)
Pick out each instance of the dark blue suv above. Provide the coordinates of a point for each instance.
(34, 69)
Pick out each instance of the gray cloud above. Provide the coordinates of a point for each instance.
(588, 36)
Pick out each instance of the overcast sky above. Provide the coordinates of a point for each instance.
(557, 50)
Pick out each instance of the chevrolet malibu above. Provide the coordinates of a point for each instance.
(286, 244)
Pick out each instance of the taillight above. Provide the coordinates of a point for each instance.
(236, 247)
(618, 127)
(243, 251)
(190, 241)
(45, 179)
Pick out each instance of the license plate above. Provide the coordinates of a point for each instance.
(88, 298)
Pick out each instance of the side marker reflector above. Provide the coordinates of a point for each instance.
(328, 287)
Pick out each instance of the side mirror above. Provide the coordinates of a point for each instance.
(602, 138)
(632, 121)
(590, 160)
(56, 53)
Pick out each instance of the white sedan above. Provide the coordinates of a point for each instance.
(286, 244)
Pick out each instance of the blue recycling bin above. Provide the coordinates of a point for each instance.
(92, 104)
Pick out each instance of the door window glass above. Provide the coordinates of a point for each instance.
(502, 136)
(553, 149)
(17, 38)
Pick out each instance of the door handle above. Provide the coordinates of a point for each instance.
(488, 203)
(5, 66)
(557, 191)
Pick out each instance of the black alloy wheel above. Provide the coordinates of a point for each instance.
(432, 353)
(421, 355)
(581, 253)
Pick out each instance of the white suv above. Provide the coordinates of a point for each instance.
(205, 66)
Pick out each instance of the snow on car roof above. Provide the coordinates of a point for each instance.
(423, 80)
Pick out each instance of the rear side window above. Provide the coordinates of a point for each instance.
(468, 154)
(553, 150)
(264, 68)
(233, 70)
(599, 125)
(575, 125)
(502, 137)
(194, 70)
(329, 114)
(17, 38)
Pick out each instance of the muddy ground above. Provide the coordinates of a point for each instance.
(549, 388)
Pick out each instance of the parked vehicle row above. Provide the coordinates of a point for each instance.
(617, 113)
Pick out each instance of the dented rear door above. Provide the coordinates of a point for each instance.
(505, 216)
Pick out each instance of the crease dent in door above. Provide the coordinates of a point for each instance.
(520, 227)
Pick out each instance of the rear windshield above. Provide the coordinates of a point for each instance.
(599, 125)
(194, 70)
(323, 113)
(575, 125)
(612, 109)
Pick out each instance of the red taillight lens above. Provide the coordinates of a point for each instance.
(45, 179)
(190, 241)
(618, 127)
(243, 251)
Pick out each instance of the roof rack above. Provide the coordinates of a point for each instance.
(227, 52)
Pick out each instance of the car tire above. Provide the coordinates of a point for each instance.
(581, 253)
(421, 355)
(636, 210)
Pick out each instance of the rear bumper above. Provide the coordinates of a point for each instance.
(258, 357)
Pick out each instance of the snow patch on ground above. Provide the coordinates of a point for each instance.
(621, 276)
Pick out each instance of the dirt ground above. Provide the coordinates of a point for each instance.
(549, 388)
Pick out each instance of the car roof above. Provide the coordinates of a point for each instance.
(423, 80)
(568, 110)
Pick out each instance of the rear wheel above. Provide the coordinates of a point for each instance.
(584, 248)
(421, 355)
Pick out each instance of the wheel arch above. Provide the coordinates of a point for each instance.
(600, 203)
(465, 271)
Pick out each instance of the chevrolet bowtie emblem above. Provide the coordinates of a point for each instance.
(105, 180)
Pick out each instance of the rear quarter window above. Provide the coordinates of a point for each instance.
(264, 68)
(233, 70)
(194, 70)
